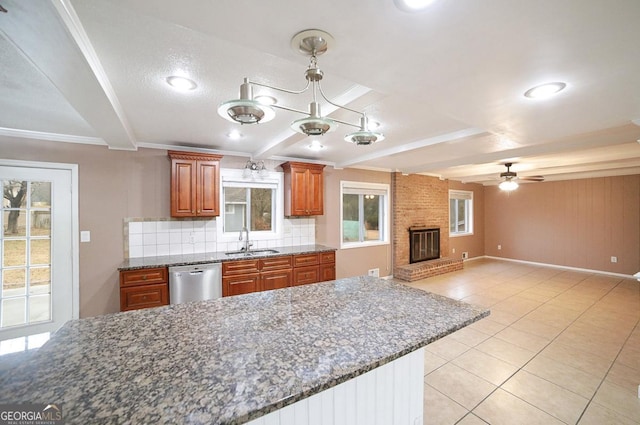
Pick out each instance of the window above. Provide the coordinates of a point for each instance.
(460, 212)
(364, 214)
(254, 203)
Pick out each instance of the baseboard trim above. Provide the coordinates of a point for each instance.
(556, 266)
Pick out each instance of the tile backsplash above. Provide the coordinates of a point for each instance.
(150, 237)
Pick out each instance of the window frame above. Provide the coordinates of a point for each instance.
(238, 179)
(467, 197)
(381, 189)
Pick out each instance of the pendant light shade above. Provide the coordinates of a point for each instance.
(247, 110)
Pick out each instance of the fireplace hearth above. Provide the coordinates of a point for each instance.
(424, 244)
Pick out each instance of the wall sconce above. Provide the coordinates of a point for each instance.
(253, 169)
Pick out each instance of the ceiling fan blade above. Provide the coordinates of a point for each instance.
(532, 178)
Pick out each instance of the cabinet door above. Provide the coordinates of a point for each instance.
(276, 279)
(306, 275)
(208, 197)
(241, 284)
(143, 296)
(315, 192)
(327, 272)
(183, 188)
(299, 191)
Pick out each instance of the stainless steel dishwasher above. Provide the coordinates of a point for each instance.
(195, 283)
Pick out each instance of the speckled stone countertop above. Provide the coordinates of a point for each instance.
(230, 360)
(214, 257)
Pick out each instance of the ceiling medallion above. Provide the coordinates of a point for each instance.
(247, 110)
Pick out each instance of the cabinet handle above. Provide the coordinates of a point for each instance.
(198, 211)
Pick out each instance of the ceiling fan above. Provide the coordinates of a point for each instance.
(509, 178)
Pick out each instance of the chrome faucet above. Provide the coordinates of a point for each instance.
(247, 244)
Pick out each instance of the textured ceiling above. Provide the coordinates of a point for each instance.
(446, 84)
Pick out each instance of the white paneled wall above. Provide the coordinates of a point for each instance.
(149, 238)
(389, 395)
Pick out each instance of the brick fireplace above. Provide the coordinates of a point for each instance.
(420, 201)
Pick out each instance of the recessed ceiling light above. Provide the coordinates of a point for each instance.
(234, 135)
(181, 83)
(412, 5)
(266, 100)
(315, 146)
(545, 90)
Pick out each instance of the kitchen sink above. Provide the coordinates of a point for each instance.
(252, 252)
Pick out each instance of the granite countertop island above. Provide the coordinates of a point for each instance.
(217, 257)
(230, 360)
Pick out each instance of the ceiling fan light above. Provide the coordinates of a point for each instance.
(508, 185)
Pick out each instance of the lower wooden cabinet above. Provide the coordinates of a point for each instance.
(306, 275)
(143, 288)
(242, 284)
(144, 296)
(245, 276)
(275, 279)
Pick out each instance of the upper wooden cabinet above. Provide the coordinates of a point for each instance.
(304, 189)
(195, 184)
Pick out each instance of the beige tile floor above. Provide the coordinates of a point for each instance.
(560, 347)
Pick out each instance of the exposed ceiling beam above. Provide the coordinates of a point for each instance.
(468, 132)
(61, 51)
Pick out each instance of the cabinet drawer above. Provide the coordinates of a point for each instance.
(305, 275)
(276, 263)
(231, 268)
(242, 284)
(143, 276)
(275, 279)
(305, 260)
(327, 257)
(144, 296)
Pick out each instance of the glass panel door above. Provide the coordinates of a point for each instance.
(35, 251)
(26, 254)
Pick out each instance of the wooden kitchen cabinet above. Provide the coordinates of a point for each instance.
(195, 184)
(143, 288)
(275, 279)
(240, 277)
(264, 274)
(327, 266)
(304, 189)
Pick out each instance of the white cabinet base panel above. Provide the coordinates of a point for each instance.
(390, 394)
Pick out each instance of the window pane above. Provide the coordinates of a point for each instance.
(40, 251)
(261, 205)
(40, 223)
(350, 218)
(14, 194)
(39, 308)
(13, 282)
(235, 207)
(462, 222)
(13, 311)
(452, 215)
(40, 194)
(371, 217)
(15, 223)
(14, 253)
(39, 280)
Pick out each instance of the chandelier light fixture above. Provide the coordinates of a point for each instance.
(247, 110)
